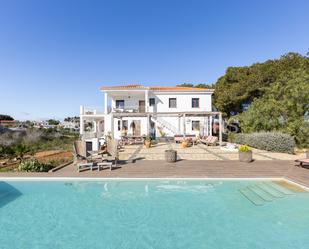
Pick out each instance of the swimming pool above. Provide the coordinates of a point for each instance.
(152, 214)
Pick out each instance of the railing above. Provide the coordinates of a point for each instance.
(92, 134)
(92, 110)
(165, 124)
(130, 109)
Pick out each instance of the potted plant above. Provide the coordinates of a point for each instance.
(124, 132)
(245, 154)
(147, 142)
(184, 143)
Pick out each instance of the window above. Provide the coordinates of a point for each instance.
(195, 125)
(152, 102)
(125, 125)
(120, 104)
(195, 102)
(119, 125)
(172, 103)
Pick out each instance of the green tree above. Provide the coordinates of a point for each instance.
(186, 85)
(241, 85)
(5, 117)
(200, 85)
(282, 108)
(53, 122)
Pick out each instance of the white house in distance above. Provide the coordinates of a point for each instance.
(157, 111)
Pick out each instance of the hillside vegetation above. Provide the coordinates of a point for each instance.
(276, 91)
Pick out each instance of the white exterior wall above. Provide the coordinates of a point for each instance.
(184, 102)
(130, 101)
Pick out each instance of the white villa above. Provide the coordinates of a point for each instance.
(137, 110)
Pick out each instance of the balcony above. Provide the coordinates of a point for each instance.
(91, 110)
(129, 109)
(91, 135)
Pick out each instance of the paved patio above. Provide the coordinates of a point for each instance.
(196, 152)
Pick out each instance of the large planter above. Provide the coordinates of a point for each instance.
(245, 156)
(171, 156)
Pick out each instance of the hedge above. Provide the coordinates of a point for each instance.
(270, 141)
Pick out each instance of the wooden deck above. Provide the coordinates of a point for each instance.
(188, 169)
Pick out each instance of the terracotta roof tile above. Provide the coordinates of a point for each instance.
(155, 88)
(178, 88)
(130, 86)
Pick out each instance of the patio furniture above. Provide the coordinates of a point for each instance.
(180, 138)
(80, 156)
(135, 139)
(304, 161)
(108, 164)
(83, 166)
(96, 155)
(210, 140)
(112, 152)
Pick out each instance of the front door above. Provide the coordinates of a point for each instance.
(141, 106)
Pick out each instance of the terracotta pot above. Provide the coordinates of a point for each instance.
(245, 156)
(184, 144)
(147, 144)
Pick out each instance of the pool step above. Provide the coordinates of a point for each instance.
(252, 197)
(279, 188)
(273, 192)
(261, 193)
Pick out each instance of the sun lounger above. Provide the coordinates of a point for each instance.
(304, 161)
(112, 152)
(81, 160)
(191, 137)
(210, 140)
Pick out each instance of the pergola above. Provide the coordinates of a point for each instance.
(209, 116)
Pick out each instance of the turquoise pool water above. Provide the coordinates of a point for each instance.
(152, 214)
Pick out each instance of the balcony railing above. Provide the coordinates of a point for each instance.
(129, 109)
(90, 135)
(92, 110)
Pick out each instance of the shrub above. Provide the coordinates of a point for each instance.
(231, 137)
(33, 165)
(270, 141)
(244, 148)
(6, 151)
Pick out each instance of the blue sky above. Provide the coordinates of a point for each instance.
(55, 54)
